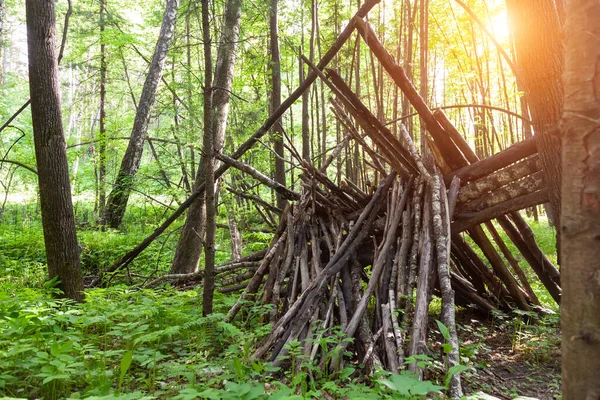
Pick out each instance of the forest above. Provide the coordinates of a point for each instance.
(296, 199)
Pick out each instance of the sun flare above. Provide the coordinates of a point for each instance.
(499, 26)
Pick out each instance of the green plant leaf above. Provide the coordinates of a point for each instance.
(443, 329)
(125, 364)
(456, 369)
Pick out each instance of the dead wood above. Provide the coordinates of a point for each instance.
(522, 187)
(467, 221)
(493, 163)
(495, 180)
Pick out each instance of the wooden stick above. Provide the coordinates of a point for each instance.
(522, 187)
(493, 163)
(455, 135)
(534, 258)
(390, 238)
(379, 133)
(303, 307)
(259, 176)
(440, 236)
(254, 284)
(499, 267)
(477, 188)
(516, 204)
(419, 328)
(453, 157)
(513, 263)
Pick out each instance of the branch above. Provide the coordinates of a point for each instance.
(485, 106)
(28, 168)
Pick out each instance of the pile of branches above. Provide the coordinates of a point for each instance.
(370, 263)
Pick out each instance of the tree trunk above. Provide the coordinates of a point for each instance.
(536, 29)
(112, 214)
(62, 250)
(276, 131)
(102, 134)
(423, 54)
(187, 253)
(209, 177)
(580, 222)
(305, 127)
(1, 38)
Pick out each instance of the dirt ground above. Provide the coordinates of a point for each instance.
(512, 356)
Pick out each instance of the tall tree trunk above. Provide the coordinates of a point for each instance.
(580, 221)
(1, 38)
(423, 66)
(410, 20)
(276, 131)
(189, 247)
(62, 250)
(536, 29)
(192, 236)
(102, 134)
(117, 200)
(209, 147)
(305, 100)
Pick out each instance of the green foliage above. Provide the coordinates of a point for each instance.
(51, 347)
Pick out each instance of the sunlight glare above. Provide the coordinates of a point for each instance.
(500, 26)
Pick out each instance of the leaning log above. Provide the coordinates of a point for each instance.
(522, 187)
(453, 156)
(489, 183)
(493, 163)
(466, 221)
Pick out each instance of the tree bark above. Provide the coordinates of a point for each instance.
(2, 12)
(116, 205)
(276, 130)
(187, 253)
(102, 133)
(58, 221)
(192, 236)
(580, 222)
(423, 65)
(536, 30)
(305, 100)
(208, 162)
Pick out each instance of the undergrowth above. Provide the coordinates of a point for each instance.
(153, 344)
(132, 344)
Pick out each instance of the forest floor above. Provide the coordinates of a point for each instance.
(155, 343)
(512, 358)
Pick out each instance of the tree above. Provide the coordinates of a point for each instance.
(276, 131)
(1, 36)
(119, 196)
(102, 133)
(189, 246)
(62, 250)
(209, 171)
(580, 222)
(536, 30)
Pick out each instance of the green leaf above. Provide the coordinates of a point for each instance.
(346, 373)
(125, 364)
(443, 329)
(447, 348)
(457, 369)
(54, 377)
(424, 388)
